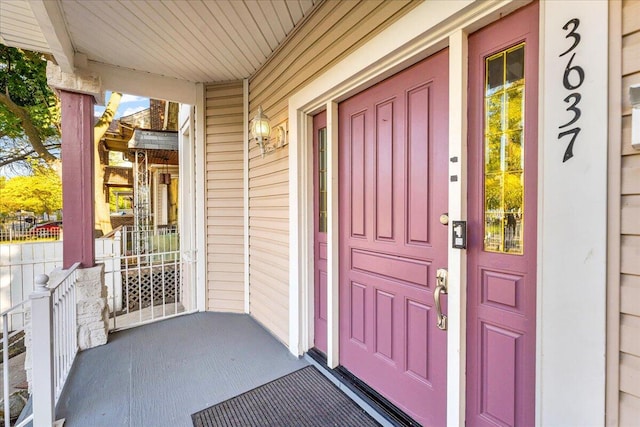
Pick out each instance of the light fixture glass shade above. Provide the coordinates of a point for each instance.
(260, 127)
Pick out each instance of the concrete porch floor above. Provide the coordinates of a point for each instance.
(159, 374)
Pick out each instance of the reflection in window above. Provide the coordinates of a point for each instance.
(322, 180)
(503, 152)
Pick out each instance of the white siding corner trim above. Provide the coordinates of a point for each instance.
(245, 192)
(572, 221)
(201, 240)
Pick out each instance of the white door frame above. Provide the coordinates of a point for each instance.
(186, 201)
(191, 205)
(428, 28)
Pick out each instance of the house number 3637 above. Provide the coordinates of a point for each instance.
(572, 80)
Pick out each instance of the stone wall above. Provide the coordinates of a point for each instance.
(93, 311)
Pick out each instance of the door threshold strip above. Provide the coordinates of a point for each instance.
(383, 411)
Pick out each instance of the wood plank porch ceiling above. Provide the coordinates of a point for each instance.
(196, 40)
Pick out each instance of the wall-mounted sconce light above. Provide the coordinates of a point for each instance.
(260, 131)
(634, 97)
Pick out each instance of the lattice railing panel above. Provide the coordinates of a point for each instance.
(151, 286)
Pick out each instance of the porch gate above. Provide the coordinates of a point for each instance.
(142, 285)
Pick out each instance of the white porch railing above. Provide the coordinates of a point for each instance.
(142, 287)
(65, 326)
(54, 341)
(21, 263)
(18, 309)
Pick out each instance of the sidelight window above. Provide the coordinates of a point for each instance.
(322, 180)
(504, 151)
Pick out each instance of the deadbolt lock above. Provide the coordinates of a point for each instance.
(444, 219)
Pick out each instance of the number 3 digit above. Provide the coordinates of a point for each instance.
(576, 97)
(575, 22)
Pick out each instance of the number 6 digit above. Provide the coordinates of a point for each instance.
(567, 71)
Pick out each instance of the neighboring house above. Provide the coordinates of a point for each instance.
(400, 119)
(149, 136)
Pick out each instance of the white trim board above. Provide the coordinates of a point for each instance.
(457, 259)
(199, 123)
(144, 84)
(245, 193)
(186, 199)
(572, 221)
(54, 29)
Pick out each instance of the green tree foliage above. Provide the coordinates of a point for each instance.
(40, 192)
(29, 109)
(503, 152)
(3, 183)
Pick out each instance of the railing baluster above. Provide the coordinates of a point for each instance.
(138, 267)
(42, 331)
(177, 279)
(54, 341)
(5, 367)
(7, 315)
(164, 293)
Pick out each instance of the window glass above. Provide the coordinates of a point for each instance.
(322, 179)
(503, 152)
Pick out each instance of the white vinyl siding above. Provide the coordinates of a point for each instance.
(224, 197)
(629, 414)
(330, 33)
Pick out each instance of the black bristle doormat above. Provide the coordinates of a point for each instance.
(304, 398)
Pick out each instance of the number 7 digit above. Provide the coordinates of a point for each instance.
(569, 151)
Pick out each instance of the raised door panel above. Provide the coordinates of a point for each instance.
(393, 187)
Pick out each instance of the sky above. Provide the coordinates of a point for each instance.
(128, 105)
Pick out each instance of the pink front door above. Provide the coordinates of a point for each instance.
(320, 230)
(393, 146)
(502, 197)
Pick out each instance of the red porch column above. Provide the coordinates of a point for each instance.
(77, 179)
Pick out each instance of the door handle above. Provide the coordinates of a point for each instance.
(441, 288)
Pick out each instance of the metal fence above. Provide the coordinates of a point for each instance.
(41, 234)
(503, 232)
(145, 273)
(152, 272)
